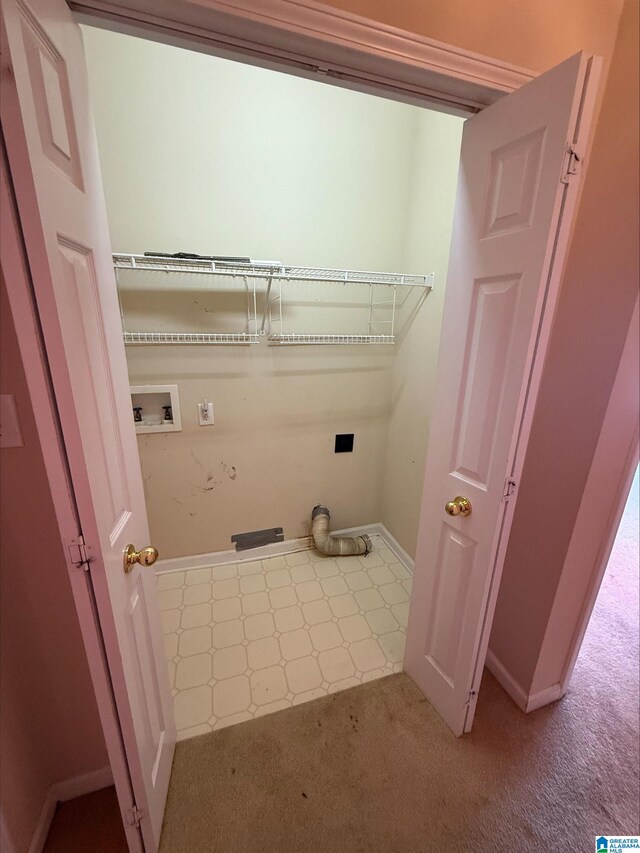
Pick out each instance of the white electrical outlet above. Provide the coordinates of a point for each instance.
(205, 413)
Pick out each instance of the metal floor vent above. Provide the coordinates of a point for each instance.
(256, 538)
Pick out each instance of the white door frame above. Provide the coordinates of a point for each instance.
(311, 40)
(307, 38)
(304, 38)
(466, 83)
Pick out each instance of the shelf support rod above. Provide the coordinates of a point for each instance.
(266, 304)
(393, 310)
(252, 318)
(370, 308)
(119, 299)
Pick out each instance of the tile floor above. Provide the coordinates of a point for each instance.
(250, 638)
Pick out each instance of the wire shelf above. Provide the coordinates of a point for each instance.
(237, 338)
(194, 265)
(381, 312)
(301, 340)
(268, 269)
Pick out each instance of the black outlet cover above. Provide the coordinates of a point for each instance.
(344, 443)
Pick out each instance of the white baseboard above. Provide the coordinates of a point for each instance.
(527, 702)
(389, 540)
(504, 677)
(279, 549)
(69, 789)
(545, 697)
(363, 530)
(219, 558)
(39, 837)
(60, 792)
(398, 550)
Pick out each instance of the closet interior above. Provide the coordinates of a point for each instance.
(280, 252)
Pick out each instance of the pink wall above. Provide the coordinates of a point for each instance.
(50, 730)
(534, 34)
(598, 297)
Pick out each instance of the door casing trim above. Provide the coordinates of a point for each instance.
(310, 39)
(299, 35)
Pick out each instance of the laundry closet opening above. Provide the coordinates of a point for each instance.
(343, 203)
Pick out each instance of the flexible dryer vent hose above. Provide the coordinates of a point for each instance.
(335, 546)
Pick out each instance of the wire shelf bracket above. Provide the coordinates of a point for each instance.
(175, 265)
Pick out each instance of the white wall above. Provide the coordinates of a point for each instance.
(428, 235)
(200, 154)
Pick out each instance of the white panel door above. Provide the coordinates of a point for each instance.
(509, 207)
(54, 165)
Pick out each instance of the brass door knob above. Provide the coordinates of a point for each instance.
(145, 556)
(458, 506)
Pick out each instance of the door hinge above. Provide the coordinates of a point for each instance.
(572, 164)
(470, 696)
(134, 815)
(80, 553)
(510, 486)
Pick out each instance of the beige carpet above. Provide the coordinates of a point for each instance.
(374, 768)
